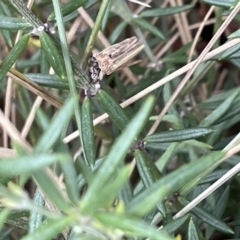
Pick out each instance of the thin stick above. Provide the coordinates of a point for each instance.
(203, 24)
(31, 116)
(94, 33)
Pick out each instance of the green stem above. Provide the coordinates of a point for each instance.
(67, 60)
(95, 30)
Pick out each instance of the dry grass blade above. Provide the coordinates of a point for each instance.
(35, 88)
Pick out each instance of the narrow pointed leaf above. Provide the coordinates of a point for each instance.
(166, 156)
(147, 26)
(114, 110)
(235, 34)
(46, 80)
(117, 31)
(13, 24)
(192, 231)
(208, 218)
(22, 8)
(88, 140)
(148, 172)
(13, 55)
(68, 8)
(110, 191)
(70, 179)
(219, 209)
(52, 134)
(230, 53)
(27, 164)
(52, 54)
(50, 189)
(131, 226)
(3, 216)
(222, 3)
(219, 111)
(35, 218)
(50, 228)
(165, 11)
(5, 32)
(178, 135)
(172, 226)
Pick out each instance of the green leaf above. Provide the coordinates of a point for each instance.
(43, 119)
(117, 31)
(46, 80)
(51, 135)
(50, 189)
(167, 93)
(219, 207)
(106, 17)
(16, 214)
(147, 200)
(85, 171)
(13, 55)
(235, 34)
(222, 3)
(131, 226)
(50, 228)
(26, 13)
(228, 54)
(104, 7)
(147, 26)
(70, 176)
(35, 218)
(208, 218)
(214, 176)
(68, 8)
(172, 226)
(166, 156)
(5, 33)
(3, 217)
(52, 54)
(27, 164)
(214, 101)
(222, 203)
(121, 146)
(87, 132)
(110, 191)
(13, 24)
(147, 170)
(192, 231)
(113, 109)
(220, 111)
(126, 193)
(178, 135)
(121, 9)
(7, 37)
(165, 11)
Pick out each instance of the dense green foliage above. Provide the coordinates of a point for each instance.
(77, 164)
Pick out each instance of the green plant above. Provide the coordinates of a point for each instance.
(160, 150)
